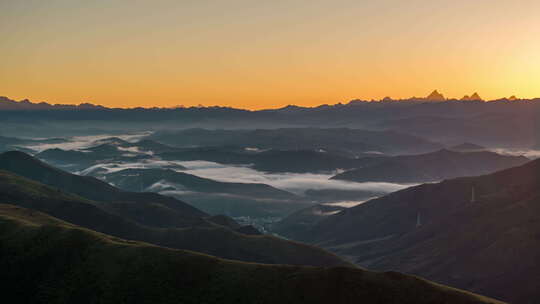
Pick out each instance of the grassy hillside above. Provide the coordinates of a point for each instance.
(205, 236)
(45, 260)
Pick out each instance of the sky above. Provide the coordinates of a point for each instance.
(266, 54)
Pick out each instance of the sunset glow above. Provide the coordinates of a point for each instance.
(266, 54)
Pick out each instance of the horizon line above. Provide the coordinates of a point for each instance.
(385, 99)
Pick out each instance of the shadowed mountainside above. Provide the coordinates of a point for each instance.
(477, 233)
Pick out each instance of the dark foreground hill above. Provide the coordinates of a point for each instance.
(45, 260)
(477, 233)
(431, 167)
(154, 220)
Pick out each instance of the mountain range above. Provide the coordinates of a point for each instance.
(469, 121)
(25, 104)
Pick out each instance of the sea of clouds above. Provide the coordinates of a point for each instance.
(297, 183)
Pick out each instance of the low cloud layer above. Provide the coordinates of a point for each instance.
(529, 153)
(349, 204)
(144, 164)
(296, 183)
(82, 142)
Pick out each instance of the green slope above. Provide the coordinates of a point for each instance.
(45, 260)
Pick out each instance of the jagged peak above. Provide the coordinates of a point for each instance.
(475, 96)
(472, 97)
(435, 96)
(512, 98)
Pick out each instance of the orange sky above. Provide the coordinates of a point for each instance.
(261, 54)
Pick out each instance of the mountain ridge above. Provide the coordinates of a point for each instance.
(25, 104)
(429, 167)
(478, 233)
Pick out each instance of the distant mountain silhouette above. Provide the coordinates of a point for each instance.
(478, 122)
(25, 104)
